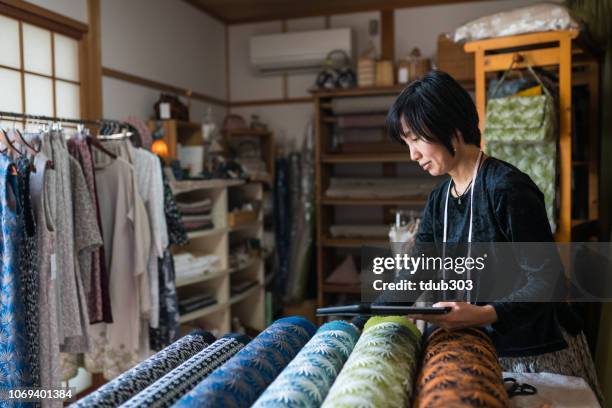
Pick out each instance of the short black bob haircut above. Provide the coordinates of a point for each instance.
(434, 107)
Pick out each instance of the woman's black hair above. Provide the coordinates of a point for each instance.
(434, 107)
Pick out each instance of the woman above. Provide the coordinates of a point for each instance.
(487, 200)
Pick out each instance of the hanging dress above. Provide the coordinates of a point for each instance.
(14, 367)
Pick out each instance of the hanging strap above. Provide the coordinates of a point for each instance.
(531, 71)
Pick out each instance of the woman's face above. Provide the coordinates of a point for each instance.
(432, 157)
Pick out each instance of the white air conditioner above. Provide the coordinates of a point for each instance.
(299, 51)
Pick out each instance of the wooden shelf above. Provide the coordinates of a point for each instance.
(240, 297)
(217, 242)
(202, 278)
(329, 119)
(189, 125)
(246, 226)
(364, 91)
(340, 288)
(374, 201)
(182, 186)
(352, 242)
(196, 314)
(366, 158)
(251, 262)
(206, 233)
(248, 132)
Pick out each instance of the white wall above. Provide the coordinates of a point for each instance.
(165, 41)
(420, 26)
(75, 9)
(287, 120)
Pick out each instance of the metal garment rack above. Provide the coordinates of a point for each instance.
(42, 118)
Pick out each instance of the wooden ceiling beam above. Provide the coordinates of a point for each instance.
(249, 11)
(207, 10)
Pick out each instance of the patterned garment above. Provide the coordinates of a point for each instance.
(168, 389)
(575, 360)
(460, 369)
(538, 161)
(168, 330)
(381, 368)
(136, 379)
(177, 235)
(14, 368)
(60, 197)
(28, 270)
(87, 240)
(47, 302)
(242, 379)
(307, 379)
(98, 295)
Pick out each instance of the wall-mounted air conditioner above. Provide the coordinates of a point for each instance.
(299, 51)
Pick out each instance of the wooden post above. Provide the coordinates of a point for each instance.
(565, 139)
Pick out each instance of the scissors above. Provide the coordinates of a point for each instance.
(517, 388)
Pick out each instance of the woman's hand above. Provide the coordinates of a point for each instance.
(461, 315)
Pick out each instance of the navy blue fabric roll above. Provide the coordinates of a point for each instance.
(172, 386)
(240, 381)
(139, 377)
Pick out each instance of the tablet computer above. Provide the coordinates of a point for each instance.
(379, 310)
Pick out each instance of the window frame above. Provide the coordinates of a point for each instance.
(27, 13)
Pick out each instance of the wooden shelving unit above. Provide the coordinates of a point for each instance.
(248, 306)
(175, 132)
(570, 57)
(377, 156)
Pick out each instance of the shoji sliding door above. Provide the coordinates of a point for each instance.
(39, 71)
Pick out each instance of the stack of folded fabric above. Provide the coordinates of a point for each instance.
(195, 212)
(188, 265)
(378, 187)
(196, 302)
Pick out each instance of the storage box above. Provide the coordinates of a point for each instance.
(453, 60)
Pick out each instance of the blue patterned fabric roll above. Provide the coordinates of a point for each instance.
(307, 379)
(242, 379)
(172, 386)
(139, 377)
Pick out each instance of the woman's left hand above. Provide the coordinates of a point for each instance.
(461, 315)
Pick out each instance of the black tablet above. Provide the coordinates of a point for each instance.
(379, 310)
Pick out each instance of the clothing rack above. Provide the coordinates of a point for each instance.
(131, 133)
(42, 118)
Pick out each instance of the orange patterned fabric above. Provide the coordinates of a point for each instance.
(460, 370)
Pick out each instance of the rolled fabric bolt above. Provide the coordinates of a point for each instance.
(381, 368)
(139, 377)
(240, 381)
(172, 386)
(307, 379)
(460, 369)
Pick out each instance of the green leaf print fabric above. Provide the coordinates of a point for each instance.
(380, 371)
(520, 130)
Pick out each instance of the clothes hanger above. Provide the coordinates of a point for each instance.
(9, 148)
(29, 149)
(92, 141)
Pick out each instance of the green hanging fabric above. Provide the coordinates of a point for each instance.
(521, 131)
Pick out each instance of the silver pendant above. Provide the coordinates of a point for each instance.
(459, 200)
